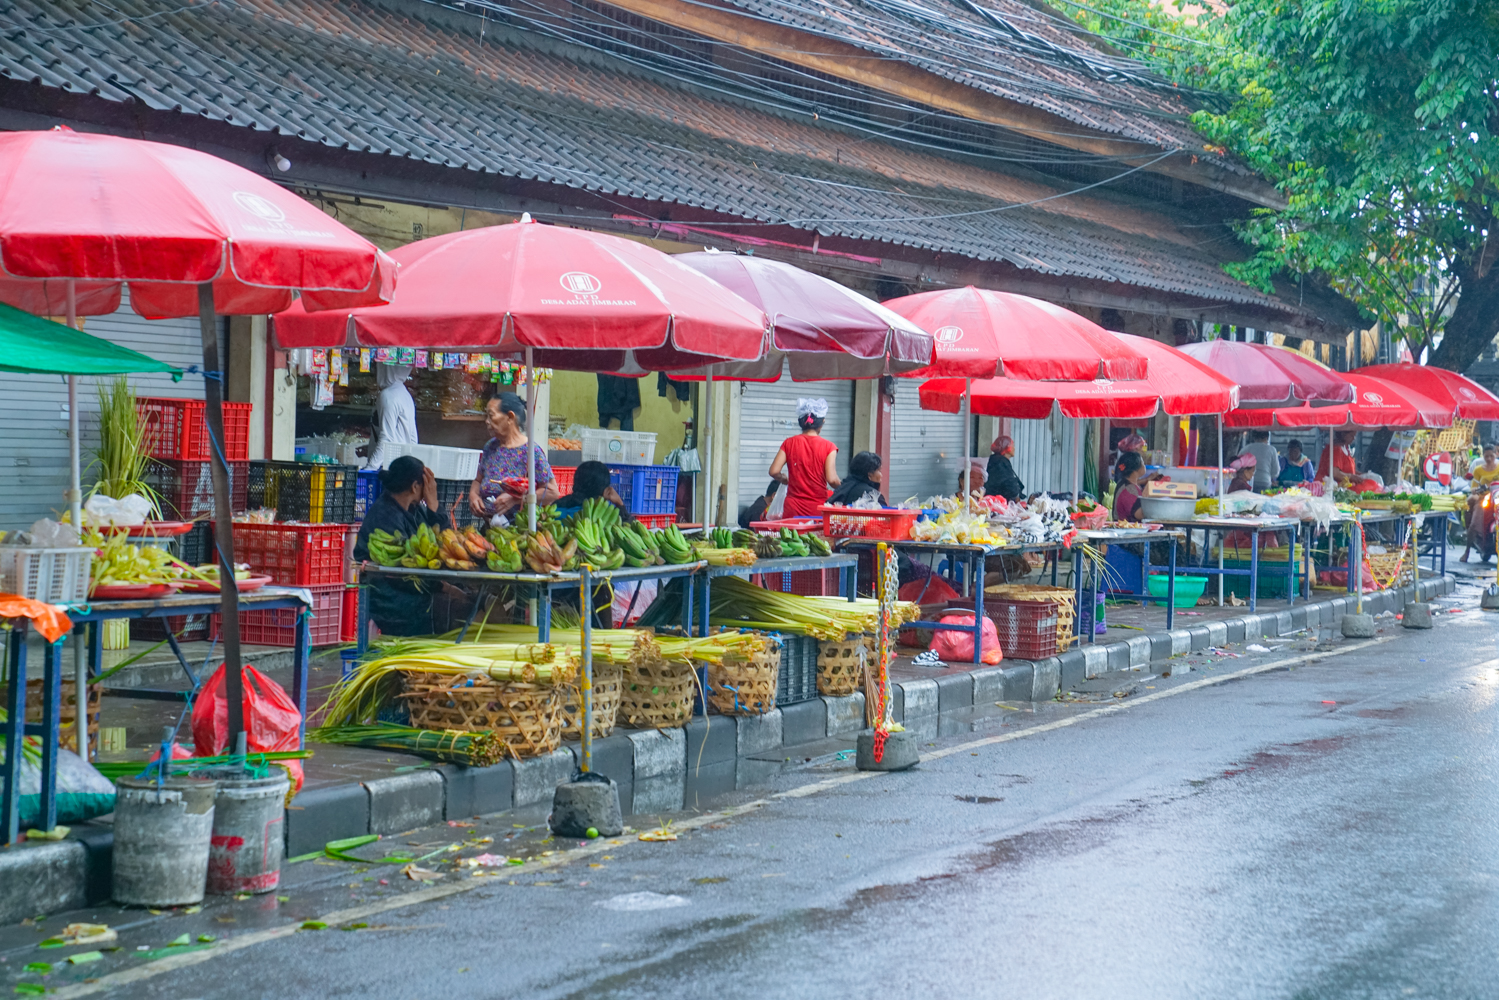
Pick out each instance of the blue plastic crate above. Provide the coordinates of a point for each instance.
(646, 489)
(366, 490)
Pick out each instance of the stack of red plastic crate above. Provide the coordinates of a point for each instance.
(293, 554)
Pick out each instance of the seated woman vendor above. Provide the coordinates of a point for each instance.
(863, 481)
(1130, 479)
(591, 481)
(408, 500)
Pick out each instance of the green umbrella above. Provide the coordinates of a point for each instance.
(38, 346)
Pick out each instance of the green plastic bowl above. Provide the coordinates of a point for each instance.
(1188, 588)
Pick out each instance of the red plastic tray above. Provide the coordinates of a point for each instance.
(348, 630)
(132, 591)
(794, 523)
(160, 529)
(656, 520)
(564, 476)
(245, 586)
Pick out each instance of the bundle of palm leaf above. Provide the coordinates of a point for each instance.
(446, 746)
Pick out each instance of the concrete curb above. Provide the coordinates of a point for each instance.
(660, 771)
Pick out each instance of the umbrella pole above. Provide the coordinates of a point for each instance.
(1077, 466)
(75, 507)
(707, 445)
(75, 449)
(1220, 510)
(223, 525)
(967, 471)
(530, 446)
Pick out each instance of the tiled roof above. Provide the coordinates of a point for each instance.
(353, 76)
(1012, 49)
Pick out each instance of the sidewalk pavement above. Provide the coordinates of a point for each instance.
(351, 791)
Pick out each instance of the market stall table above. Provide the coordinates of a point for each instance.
(1126, 536)
(1356, 541)
(544, 583)
(95, 614)
(1255, 526)
(846, 565)
(969, 582)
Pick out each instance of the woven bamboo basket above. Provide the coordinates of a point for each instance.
(527, 717)
(68, 717)
(657, 693)
(840, 665)
(608, 682)
(1063, 597)
(1381, 567)
(745, 685)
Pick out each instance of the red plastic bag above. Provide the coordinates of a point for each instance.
(957, 647)
(272, 721)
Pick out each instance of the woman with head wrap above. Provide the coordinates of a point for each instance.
(999, 478)
(807, 462)
(394, 422)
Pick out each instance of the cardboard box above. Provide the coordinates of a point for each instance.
(1178, 491)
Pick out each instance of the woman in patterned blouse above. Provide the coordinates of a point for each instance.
(504, 458)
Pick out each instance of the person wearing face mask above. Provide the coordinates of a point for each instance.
(394, 421)
(504, 457)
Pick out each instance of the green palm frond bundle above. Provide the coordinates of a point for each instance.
(120, 460)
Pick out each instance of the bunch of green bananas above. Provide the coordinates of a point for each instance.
(600, 512)
(765, 546)
(723, 538)
(387, 548)
(422, 550)
(817, 544)
(596, 541)
(507, 556)
(744, 538)
(673, 545)
(639, 544)
(792, 544)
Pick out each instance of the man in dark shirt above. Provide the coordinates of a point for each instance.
(408, 500)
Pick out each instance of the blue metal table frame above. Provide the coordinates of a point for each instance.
(543, 584)
(972, 582)
(93, 616)
(1225, 525)
(1124, 537)
(1346, 523)
(846, 565)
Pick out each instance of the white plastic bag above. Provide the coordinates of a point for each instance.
(102, 510)
(777, 508)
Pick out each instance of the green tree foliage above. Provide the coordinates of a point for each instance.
(1379, 122)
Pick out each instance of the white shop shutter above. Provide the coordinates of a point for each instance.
(1044, 453)
(926, 448)
(34, 413)
(767, 416)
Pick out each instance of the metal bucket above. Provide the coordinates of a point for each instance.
(161, 841)
(249, 831)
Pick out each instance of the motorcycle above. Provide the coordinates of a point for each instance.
(1483, 520)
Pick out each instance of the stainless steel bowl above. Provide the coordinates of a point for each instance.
(1167, 509)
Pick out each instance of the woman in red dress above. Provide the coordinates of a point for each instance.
(807, 463)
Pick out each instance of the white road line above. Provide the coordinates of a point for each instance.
(337, 917)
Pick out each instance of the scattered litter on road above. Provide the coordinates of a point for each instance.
(1325, 702)
(632, 902)
(1255, 647)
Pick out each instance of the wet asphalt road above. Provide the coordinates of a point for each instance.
(1323, 829)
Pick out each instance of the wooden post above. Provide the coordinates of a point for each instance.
(213, 396)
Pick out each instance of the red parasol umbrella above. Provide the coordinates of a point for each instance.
(823, 329)
(1271, 376)
(81, 215)
(1380, 403)
(580, 299)
(1470, 400)
(565, 298)
(1177, 384)
(984, 334)
(105, 211)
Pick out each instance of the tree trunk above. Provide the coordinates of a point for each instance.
(1474, 321)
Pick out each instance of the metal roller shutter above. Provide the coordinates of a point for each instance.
(1043, 453)
(926, 449)
(768, 417)
(34, 413)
